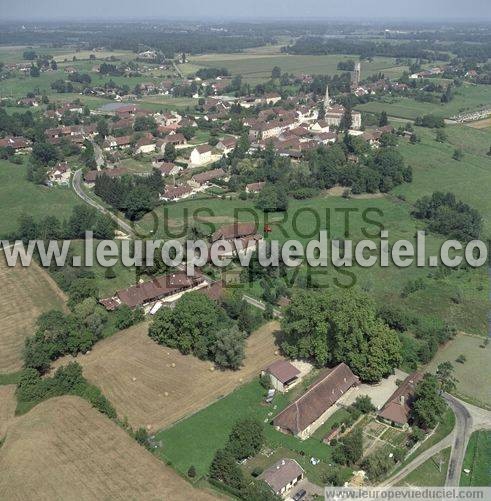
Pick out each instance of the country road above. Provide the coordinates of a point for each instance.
(76, 184)
(468, 418)
(262, 306)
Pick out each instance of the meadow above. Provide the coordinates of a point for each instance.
(432, 473)
(469, 97)
(474, 373)
(477, 460)
(256, 66)
(19, 196)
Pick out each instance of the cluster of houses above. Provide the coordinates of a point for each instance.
(312, 408)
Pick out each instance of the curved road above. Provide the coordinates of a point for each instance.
(468, 418)
(77, 187)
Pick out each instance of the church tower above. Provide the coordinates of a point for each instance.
(327, 99)
(356, 75)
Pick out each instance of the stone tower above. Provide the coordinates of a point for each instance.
(356, 75)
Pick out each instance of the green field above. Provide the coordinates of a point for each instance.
(469, 97)
(384, 284)
(195, 440)
(478, 461)
(256, 67)
(19, 196)
(473, 375)
(435, 170)
(431, 473)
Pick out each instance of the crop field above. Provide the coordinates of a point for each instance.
(65, 449)
(7, 409)
(473, 375)
(256, 67)
(156, 386)
(26, 293)
(469, 97)
(477, 460)
(481, 124)
(19, 196)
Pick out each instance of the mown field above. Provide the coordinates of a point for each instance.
(256, 67)
(469, 97)
(155, 386)
(25, 294)
(474, 374)
(19, 196)
(477, 460)
(65, 449)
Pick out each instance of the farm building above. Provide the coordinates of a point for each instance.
(283, 375)
(283, 476)
(396, 411)
(166, 287)
(255, 187)
(205, 177)
(200, 155)
(309, 411)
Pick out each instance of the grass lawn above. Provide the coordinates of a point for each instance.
(195, 440)
(473, 375)
(469, 97)
(477, 460)
(156, 103)
(335, 420)
(256, 66)
(10, 378)
(432, 473)
(19, 196)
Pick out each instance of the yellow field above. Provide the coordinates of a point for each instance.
(26, 293)
(481, 124)
(63, 449)
(7, 407)
(154, 386)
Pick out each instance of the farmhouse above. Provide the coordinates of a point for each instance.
(168, 169)
(145, 145)
(59, 174)
(397, 409)
(242, 234)
(17, 143)
(283, 375)
(255, 187)
(174, 193)
(303, 416)
(92, 175)
(165, 287)
(204, 178)
(227, 145)
(200, 155)
(283, 476)
(116, 143)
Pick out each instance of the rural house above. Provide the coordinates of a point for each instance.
(200, 155)
(283, 476)
(283, 375)
(309, 411)
(397, 409)
(204, 178)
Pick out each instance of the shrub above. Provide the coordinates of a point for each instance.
(192, 472)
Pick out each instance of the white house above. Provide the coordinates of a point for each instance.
(200, 155)
(60, 174)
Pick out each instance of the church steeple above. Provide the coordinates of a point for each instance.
(327, 99)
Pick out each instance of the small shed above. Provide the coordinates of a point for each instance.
(283, 375)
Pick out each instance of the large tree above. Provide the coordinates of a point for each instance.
(333, 327)
(428, 405)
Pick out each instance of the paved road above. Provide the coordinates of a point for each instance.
(461, 434)
(76, 184)
(468, 418)
(98, 155)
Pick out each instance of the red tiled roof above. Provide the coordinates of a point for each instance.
(306, 409)
(282, 370)
(398, 407)
(234, 230)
